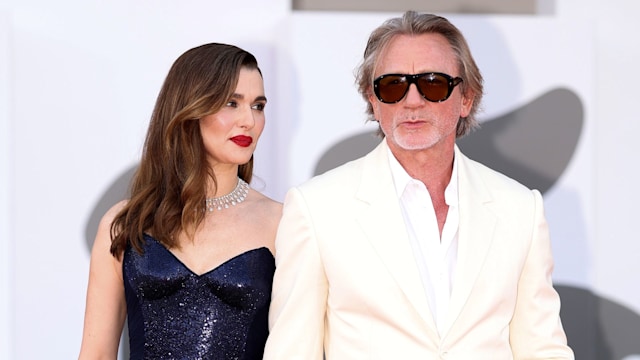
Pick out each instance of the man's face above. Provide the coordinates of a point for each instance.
(415, 123)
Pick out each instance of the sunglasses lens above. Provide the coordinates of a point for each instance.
(434, 87)
(392, 88)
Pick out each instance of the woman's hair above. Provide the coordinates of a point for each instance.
(168, 190)
(412, 23)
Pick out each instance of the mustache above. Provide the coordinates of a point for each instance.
(404, 117)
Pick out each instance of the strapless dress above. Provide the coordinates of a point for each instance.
(173, 313)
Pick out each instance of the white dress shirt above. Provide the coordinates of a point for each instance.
(436, 257)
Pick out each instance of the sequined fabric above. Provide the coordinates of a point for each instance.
(174, 313)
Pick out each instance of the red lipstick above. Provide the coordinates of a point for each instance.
(242, 140)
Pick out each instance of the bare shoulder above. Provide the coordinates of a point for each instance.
(113, 211)
(268, 208)
(104, 228)
(265, 218)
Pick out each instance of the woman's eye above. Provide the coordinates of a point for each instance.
(259, 106)
(232, 103)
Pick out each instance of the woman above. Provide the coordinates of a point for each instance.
(188, 259)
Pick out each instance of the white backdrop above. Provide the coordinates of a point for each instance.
(78, 82)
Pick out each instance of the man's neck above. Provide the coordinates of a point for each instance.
(432, 166)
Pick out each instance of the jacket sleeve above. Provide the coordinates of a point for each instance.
(298, 302)
(536, 331)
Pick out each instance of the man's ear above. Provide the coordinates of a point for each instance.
(373, 100)
(467, 102)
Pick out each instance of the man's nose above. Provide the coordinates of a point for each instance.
(413, 96)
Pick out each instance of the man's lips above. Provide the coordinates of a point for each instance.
(242, 140)
(412, 124)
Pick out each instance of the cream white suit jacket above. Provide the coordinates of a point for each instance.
(347, 284)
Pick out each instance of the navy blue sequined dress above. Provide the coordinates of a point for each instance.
(174, 313)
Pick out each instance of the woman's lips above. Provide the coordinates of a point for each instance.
(242, 140)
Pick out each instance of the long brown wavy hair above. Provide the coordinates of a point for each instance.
(168, 190)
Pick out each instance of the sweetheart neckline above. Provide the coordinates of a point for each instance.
(215, 267)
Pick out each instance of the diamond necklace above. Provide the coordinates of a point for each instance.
(231, 199)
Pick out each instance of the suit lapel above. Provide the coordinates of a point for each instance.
(384, 226)
(475, 234)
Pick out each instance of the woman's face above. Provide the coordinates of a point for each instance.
(231, 134)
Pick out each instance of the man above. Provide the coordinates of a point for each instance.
(415, 251)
